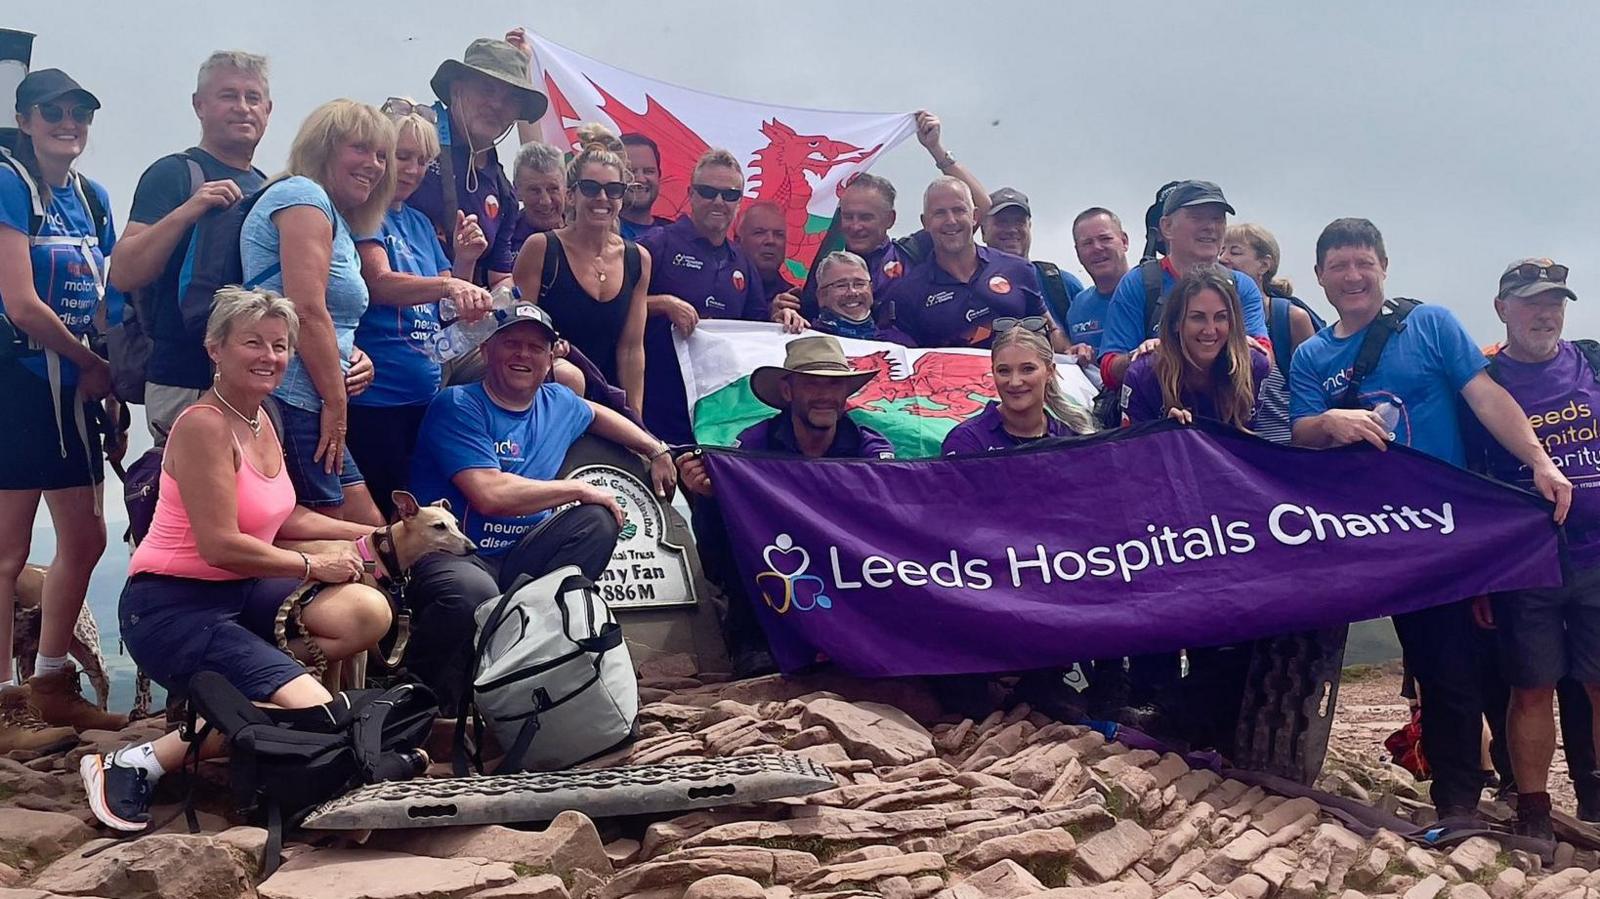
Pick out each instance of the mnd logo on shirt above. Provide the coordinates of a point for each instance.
(508, 450)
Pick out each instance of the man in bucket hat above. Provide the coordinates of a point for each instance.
(480, 96)
(809, 391)
(1547, 636)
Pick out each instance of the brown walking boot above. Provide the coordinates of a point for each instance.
(20, 728)
(58, 699)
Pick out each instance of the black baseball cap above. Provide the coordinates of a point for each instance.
(1007, 198)
(524, 312)
(1194, 193)
(46, 85)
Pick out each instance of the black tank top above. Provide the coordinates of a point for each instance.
(587, 323)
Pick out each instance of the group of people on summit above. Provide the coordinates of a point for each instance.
(306, 404)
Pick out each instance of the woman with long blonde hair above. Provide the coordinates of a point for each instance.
(298, 240)
(1031, 406)
(1204, 364)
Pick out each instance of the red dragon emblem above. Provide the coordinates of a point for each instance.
(953, 386)
(777, 172)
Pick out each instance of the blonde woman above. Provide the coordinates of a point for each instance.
(1203, 364)
(299, 240)
(1252, 250)
(1031, 405)
(206, 583)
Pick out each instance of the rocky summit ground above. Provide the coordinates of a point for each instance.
(1014, 805)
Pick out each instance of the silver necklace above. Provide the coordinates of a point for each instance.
(254, 423)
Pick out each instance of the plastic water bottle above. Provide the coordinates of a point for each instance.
(1390, 413)
(456, 337)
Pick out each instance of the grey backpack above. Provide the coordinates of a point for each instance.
(552, 680)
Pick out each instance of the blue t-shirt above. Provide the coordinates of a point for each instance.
(465, 429)
(346, 295)
(1124, 319)
(394, 336)
(62, 277)
(1421, 372)
(1086, 317)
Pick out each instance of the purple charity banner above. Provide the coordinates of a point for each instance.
(1144, 540)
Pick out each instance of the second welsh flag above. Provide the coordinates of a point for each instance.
(796, 158)
(916, 398)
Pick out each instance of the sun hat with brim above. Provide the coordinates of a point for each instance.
(820, 355)
(495, 59)
(1513, 283)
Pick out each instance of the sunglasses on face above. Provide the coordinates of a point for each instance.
(592, 188)
(400, 107)
(1533, 272)
(1038, 324)
(728, 195)
(52, 113)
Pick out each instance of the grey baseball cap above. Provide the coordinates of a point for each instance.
(524, 312)
(1194, 193)
(1533, 276)
(1007, 198)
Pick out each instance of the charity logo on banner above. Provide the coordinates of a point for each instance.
(796, 158)
(916, 398)
(1151, 539)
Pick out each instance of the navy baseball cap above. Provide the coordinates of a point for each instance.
(524, 312)
(46, 85)
(1194, 193)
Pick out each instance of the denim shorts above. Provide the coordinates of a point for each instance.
(175, 627)
(313, 486)
(1545, 635)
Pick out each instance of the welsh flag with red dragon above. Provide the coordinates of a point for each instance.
(797, 158)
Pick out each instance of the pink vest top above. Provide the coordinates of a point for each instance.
(264, 505)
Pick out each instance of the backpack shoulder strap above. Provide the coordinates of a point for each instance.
(552, 262)
(197, 175)
(35, 203)
(1386, 325)
(91, 202)
(1591, 354)
(1278, 331)
(1150, 274)
(1055, 290)
(632, 263)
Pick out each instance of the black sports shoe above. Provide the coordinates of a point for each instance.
(119, 795)
(1533, 817)
(1587, 787)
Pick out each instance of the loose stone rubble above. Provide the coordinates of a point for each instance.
(926, 807)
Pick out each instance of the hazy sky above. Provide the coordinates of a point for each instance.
(1465, 130)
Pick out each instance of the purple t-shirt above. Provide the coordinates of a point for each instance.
(1141, 390)
(1561, 399)
(720, 282)
(937, 309)
(986, 432)
(850, 440)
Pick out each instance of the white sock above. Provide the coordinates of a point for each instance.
(141, 756)
(43, 664)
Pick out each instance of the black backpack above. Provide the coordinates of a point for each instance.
(213, 262)
(1279, 331)
(1108, 402)
(283, 763)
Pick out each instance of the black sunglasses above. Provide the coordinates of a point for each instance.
(52, 113)
(592, 188)
(1035, 323)
(399, 107)
(707, 192)
(1532, 272)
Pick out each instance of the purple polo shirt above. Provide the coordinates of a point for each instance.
(884, 264)
(986, 432)
(850, 440)
(776, 285)
(494, 203)
(938, 309)
(1141, 390)
(720, 282)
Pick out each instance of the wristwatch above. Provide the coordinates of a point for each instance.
(945, 161)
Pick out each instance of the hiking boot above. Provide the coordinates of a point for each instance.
(20, 728)
(1533, 817)
(58, 699)
(1587, 787)
(753, 663)
(119, 795)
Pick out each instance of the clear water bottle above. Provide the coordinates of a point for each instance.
(457, 337)
(1390, 413)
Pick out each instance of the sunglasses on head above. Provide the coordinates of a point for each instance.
(1533, 272)
(400, 107)
(1038, 324)
(52, 113)
(707, 192)
(592, 188)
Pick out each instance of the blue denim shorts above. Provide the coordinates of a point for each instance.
(175, 627)
(313, 486)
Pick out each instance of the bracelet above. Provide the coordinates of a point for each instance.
(306, 559)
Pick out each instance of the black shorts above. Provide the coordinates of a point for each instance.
(35, 454)
(177, 626)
